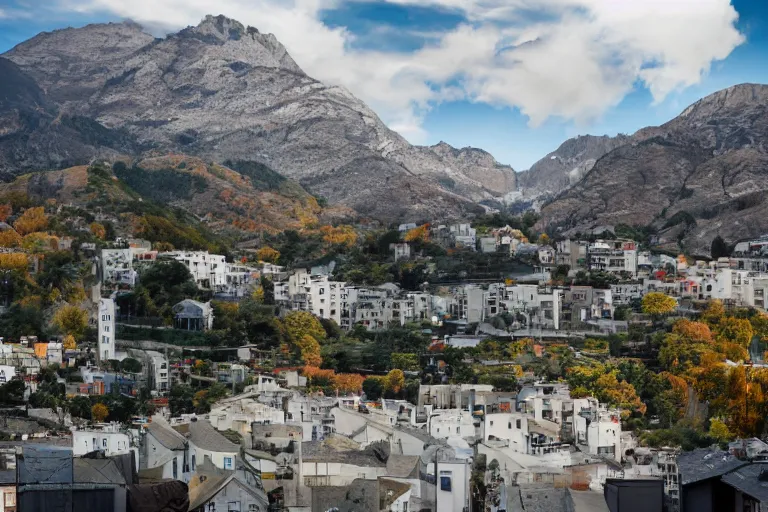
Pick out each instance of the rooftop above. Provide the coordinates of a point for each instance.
(705, 463)
(203, 435)
(751, 479)
(166, 435)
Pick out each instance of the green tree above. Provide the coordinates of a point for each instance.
(373, 387)
(404, 361)
(180, 400)
(130, 365)
(80, 406)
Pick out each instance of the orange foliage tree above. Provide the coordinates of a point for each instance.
(33, 219)
(14, 261)
(420, 233)
(5, 211)
(341, 235)
(268, 254)
(98, 230)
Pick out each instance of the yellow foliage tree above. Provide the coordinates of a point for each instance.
(268, 254)
(298, 324)
(71, 320)
(14, 261)
(658, 304)
(163, 246)
(395, 381)
(99, 412)
(418, 234)
(10, 238)
(33, 219)
(719, 431)
(98, 230)
(735, 330)
(543, 239)
(39, 242)
(310, 350)
(348, 382)
(341, 235)
(69, 342)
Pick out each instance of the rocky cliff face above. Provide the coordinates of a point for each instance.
(703, 174)
(566, 165)
(223, 91)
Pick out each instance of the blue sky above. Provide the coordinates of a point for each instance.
(501, 75)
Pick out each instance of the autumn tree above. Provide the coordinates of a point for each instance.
(348, 382)
(6, 210)
(418, 234)
(99, 412)
(298, 324)
(32, 220)
(14, 261)
(268, 254)
(71, 320)
(735, 330)
(719, 431)
(39, 242)
(543, 239)
(98, 230)
(10, 238)
(658, 304)
(395, 381)
(342, 235)
(309, 349)
(69, 342)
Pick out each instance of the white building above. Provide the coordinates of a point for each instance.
(208, 270)
(452, 484)
(165, 448)
(206, 444)
(106, 337)
(401, 250)
(158, 372)
(314, 293)
(614, 256)
(108, 439)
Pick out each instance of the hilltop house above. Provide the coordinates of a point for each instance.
(192, 315)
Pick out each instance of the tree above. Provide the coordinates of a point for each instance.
(10, 238)
(180, 400)
(268, 254)
(6, 210)
(99, 412)
(735, 330)
(543, 239)
(718, 430)
(395, 381)
(71, 320)
(32, 220)
(658, 304)
(373, 387)
(98, 230)
(303, 323)
(310, 350)
(719, 248)
(130, 365)
(80, 406)
(69, 342)
(404, 361)
(418, 234)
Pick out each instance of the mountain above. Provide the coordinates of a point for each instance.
(222, 91)
(566, 165)
(36, 134)
(702, 174)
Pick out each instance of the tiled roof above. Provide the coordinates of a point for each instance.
(747, 480)
(705, 463)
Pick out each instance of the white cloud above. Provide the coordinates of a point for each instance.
(573, 59)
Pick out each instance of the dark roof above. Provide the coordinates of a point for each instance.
(746, 479)
(359, 495)
(7, 476)
(403, 466)
(705, 463)
(209, 480)
(97, 471)
(166, 436)
(319, 451)
(203, 435)
(534, 498)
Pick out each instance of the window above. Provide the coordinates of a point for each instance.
(175, 469)
(227, 462)
(457, 430)
(491, 423)
(233, 506)
(193, 462)
(509, 425)
(518, 423)
(253, 508)
(445, 481)
(104, 443)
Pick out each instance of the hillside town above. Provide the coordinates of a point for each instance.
(561, 375)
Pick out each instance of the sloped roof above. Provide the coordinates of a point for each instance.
(209, 480)
(358, 496)
(747, 480)
(97, 471)
(203, 435)
(403, 466)
(705, 463)
(166, 435)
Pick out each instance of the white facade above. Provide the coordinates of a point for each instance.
(159, 374)
(453, 485)
(512, 427)
(316, 294)
(109, 440)
(106, 337)
(208, 270)
(447, 423)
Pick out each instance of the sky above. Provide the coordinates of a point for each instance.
(514, 77)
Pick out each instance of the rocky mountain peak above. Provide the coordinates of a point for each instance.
(736, 97)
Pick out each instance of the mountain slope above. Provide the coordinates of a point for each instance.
(702, 174)
(35, 134)
(566, 165)
(223, 91)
